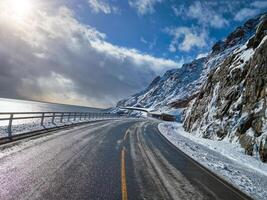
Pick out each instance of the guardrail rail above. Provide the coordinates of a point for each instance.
(52, 117)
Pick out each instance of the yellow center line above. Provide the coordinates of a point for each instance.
(123, 176)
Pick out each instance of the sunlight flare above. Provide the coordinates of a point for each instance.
(18, 9)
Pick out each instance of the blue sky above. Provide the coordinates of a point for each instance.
(96, 52)
(143, 26)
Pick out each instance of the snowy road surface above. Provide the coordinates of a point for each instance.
(117, 159)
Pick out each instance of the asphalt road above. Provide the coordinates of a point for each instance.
(120, 159)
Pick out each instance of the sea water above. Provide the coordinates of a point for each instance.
(13, 105)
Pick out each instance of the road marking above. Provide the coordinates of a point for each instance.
(125, 136)
(123, 176)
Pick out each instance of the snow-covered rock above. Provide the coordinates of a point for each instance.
(173, 85)
(231, 104)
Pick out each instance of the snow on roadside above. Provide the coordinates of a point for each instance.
(228, 161)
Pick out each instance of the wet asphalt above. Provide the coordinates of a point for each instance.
(87, 162)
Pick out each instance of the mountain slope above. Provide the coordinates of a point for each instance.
(177, 87)
(173, 84)
(231, 104)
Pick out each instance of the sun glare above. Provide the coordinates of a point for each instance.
(19, 9)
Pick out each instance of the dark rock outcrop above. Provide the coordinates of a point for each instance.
(240, 35)
(182, 103)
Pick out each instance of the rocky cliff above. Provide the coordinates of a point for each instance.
(231, 104)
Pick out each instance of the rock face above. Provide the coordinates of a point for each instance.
(231, 104)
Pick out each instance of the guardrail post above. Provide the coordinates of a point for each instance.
(9, 128)
(69, 117)
(74, 119)
(42, 119)
(61, 118)
(80, 116)
(53, 118)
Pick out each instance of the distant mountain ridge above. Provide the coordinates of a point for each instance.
(164, 89)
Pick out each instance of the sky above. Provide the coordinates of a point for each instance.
(96, 52)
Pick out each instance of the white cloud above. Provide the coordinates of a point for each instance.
(178, 11)
(245, 13)
(252, 10)
(205, 15)
(143, 40)
(185, 38)
(150, 44)
(259, 4)
(56, 58)
(144, 6)
(98, 6)
(141, 60)
(203, 12)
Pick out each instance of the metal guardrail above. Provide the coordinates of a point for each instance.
(162, 116)
(52, 116)
(135, 108)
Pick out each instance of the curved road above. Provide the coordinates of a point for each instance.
(118, 159)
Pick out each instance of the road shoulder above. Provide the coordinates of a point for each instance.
(243, 178)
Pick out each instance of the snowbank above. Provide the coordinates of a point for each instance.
(227, 160)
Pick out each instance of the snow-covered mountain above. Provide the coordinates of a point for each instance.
(173, 85)
(224, 95)
(177, 87)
